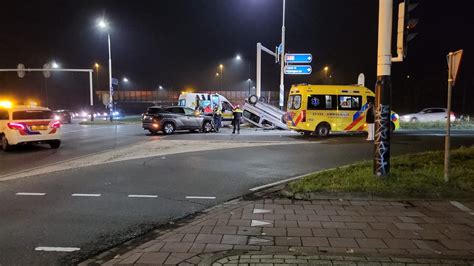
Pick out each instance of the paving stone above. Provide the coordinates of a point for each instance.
(305, 211)
(217, 247)
(189, 238)
(153, 258)
(299, 232)
(174, 238)
(131, 259)
(320, 218)
(343, 242)
(269, 231)
(371, 243)
(250, 231)
(224, 230)
(350, 233)
(208, 238)
(338, 218)
(206, 229)
(177, 257)
(238, 222)
(333, 224)
(154, 248)
(295, 217)
(315, 241)
(286, 223)
(308, 224)
(234, 239)
(356, 225)
(287, 241)
(370, 233)
(408, 226)
(325, 232)
(176, 247)
(273, 217)
(400, 243)
(457, 244)
(197, 248)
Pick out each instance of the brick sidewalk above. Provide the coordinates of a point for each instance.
(391, 230)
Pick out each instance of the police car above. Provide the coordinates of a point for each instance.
(28, 124)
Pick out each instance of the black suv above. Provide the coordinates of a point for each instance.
(171, 118)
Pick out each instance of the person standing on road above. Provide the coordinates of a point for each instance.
(237, 112)
(217, 117)
(370, 119)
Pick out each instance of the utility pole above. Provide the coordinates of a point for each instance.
(383, 90)
(282, 61)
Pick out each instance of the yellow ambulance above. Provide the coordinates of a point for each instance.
(321, 109)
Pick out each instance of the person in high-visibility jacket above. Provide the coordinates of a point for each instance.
(217, 117)
(237, 112)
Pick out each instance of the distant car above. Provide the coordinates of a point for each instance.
(428, 115)
(26, 124)
(171, 118)
(64, 116)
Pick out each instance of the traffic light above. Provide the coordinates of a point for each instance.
(409, 25)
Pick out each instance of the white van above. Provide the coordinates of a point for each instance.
(205, 103)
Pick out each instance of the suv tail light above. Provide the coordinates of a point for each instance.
(56, 124)
(17, 126)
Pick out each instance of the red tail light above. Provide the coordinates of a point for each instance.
(17, 126)
(56, 124)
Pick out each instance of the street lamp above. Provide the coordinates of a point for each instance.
(326, 69)
(249, 80)
(54, 64)
(160, 87)
(221, 68)
(103, 25)
(125, 79)
(96, 65)
(237, 57)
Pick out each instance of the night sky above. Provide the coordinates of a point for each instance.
(179, 44)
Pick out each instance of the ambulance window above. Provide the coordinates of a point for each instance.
(182, 102)
(321, 102)
(290, 102)
(350, 102)
(297, 102)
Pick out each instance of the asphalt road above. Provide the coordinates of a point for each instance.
(125, 199)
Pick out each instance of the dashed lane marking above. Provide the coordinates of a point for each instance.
(143, 196)
(462, 207)
(200, 197)
(85, 195)
(57, 249)
(29, 194)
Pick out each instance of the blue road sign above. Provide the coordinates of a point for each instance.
(298, 69)
(298, 58)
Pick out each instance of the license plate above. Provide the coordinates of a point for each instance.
(42, 127)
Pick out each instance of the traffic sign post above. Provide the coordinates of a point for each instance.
(298, 58)
(298, 69)
(454, 60)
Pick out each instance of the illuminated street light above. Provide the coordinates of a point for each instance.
(54, 65)
(125, 79)
(238, 57)
(326, 68)
(217, 74)
(160, 87)
(103, 25)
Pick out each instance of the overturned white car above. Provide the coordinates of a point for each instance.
(263, 115)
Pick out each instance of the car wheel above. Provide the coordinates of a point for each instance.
(206, 127)
(54, 144)
(4, 143)
(323, 130)
(414, 120)
(253, 99)
(168, 128)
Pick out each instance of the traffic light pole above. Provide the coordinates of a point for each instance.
(383, 90)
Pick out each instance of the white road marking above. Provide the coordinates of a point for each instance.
(259, 223)
(199, 197)
(143, 196)
(30, 194)
(57, 249)
(257, 240)
(460, 206)
(85, 195)
(261, 211)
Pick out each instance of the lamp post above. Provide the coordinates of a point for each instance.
(282, 61)
(103, 25)
(221, 68)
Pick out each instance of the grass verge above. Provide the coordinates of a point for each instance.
(418, 175)
(436, 125)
